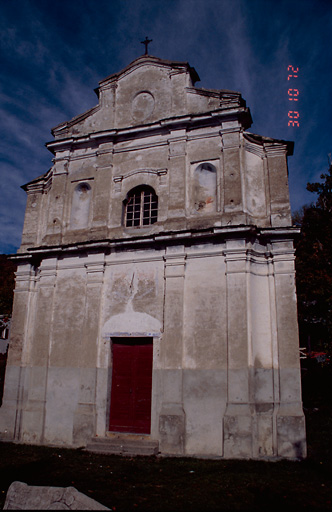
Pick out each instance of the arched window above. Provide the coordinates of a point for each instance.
(140, 207)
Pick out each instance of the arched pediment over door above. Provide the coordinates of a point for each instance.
(131, 323)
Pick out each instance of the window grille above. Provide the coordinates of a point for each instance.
(141, 207)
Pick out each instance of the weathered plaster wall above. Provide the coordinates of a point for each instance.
(225, 366)
(212, 281)
(149, 140)
(245, 188)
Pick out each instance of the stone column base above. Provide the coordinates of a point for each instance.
(238, 432)
(291, 435)
(254, 432)
(172, 429)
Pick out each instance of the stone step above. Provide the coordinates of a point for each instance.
(123, 445)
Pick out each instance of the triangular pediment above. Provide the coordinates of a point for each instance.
(147, 91)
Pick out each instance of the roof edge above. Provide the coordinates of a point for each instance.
(262, 140)
(145, 59)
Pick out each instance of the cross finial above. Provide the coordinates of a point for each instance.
(146, 42)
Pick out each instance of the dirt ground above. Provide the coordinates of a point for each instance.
(187, 484)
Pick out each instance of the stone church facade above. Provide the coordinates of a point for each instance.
(155, 291)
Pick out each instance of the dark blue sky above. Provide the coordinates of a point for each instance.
(54, 53)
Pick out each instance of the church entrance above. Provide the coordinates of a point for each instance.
(130, 408)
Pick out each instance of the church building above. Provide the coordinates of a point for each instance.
(155, 302)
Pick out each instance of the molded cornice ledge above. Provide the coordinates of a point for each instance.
(219, 234)
(164, 125)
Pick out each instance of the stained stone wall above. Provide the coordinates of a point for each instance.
(211, 282)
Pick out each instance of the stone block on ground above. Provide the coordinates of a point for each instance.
(21, 496)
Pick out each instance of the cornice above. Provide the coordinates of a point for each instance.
(217, 234)
(63, 127)
(156, 172)
(272, 147)
(188, 122)
(40, 184)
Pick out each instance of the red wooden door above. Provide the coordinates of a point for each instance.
(131, 385)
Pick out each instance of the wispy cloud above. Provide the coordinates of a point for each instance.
(54, 53)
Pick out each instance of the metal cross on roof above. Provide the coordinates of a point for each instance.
(146, 42)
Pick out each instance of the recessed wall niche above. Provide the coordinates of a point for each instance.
(204, 188)
(80, 206)
(142, 106)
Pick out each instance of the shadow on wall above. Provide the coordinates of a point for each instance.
(4, 335)
(3, 362)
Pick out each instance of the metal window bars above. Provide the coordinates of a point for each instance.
(141, 208)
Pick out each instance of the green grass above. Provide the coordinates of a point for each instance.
(187, 484)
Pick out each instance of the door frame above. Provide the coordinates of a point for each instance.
(150, 341)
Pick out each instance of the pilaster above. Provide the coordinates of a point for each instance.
(261, 374)
(291, 436)
(102, 189)
(177, 174)
(11, 409)
(278, 184)
(232, 168)
(84, 424)
(57, 201)
(33, 215)
(237, 419)
(172, 416)
(33, 415)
